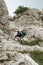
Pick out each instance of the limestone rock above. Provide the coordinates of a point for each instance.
(12, 52)
(3, 14)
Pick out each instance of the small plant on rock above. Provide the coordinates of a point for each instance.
(20, 9)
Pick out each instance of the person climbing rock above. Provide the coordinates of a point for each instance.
(20, 34)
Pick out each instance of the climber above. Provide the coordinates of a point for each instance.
(20, 34)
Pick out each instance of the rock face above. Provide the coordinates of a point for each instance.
(32, 21)
(3, 8)
(3, 14)
(12, 52)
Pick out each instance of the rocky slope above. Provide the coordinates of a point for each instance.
(12, 52)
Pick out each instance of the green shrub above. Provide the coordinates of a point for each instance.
(37, 56)
(31, 43)
(21, 9)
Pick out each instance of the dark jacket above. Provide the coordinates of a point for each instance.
(21, 34)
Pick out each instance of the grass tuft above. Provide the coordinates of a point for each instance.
(31, 43)
(37, 56)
